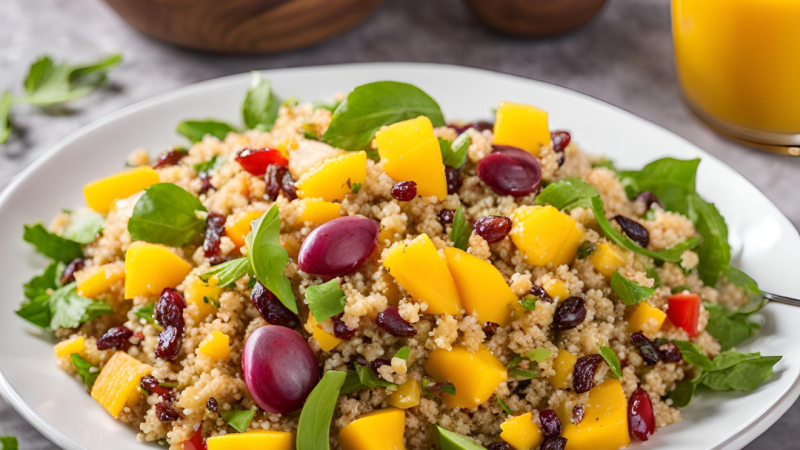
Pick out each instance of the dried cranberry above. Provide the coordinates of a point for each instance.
(561, 140)
(641, 420)
(374, 364)
(215, 229)
(551, 424)
(669, 352)
(404, 191)
(646, 348)
(510, 171)
(648, 198)
(489, 328)
(279, 181)
(212, 405)
(256, 161)
(166, 413)
(499, 446)
(69, 272)
(169, 313)
(634, 230)
(583, 372)
(493, 228)
(206, 179)
(539, 292)
(446, 216)
(554, 443)
(483, 126)
(453, 177)
(569, 314)
(578, 411)
(389, 320)
(168, 344)
(170, 158)
(271, 308)
(151, 385)
(342, 331)
(118, 338)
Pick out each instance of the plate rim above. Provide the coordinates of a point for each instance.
(749, 431)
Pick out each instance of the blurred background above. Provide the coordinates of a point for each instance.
(624, 56)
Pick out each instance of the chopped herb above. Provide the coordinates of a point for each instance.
(429, 386)
(461, 230)
(50, 244)
(326, 300)
(630, 292)
(229, 272)
(313, 429)
(268, 259)
(168, 384)
(449, 440)
(567, 194)
(84, 227)
(5, 121)
(211, 301)
(454, 154)
(529, 302)
(238, 420)
(368, 378)
(538, 354)
(612, 361)
(403, 353)
(207, 165)
(650, 271)
(355, 187)
(196, 130)
(146, 313)
(86, 370)
(585, 249)
(523, 374)
(167, 214)
(650, 215)
(260, 107)
(9, 443)
(503, 405)
(37, 286)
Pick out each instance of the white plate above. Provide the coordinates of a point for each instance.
(767, 246)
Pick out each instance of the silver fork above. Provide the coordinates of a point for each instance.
(780, 299)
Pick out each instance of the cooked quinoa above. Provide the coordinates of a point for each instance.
(194, 377)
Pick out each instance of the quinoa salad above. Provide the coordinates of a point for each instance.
(364, 275)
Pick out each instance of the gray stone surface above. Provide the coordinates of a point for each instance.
(623, 57)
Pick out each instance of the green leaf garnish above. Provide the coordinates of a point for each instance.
(585, 249)
(9, 443)
(268, 259)
(39, 284)
(529, 302)
(229, 272)
(680, 288)
(260, 107)
(650, 271)
(731, 327)
(167, 214)
(567, 194)
(84, 227)
(87, 372)
(352, 383)
(50, 244)
(355, 187)
(684, 391)
(454, 154)
(714, 252)
(505, 408)
(238, 420)
(671, 180)
(313, 429)
(744, 281)
(693, 355)
(446, 387)
(449, 440)
(461, 230)
(196, 130)
(612, 361)
(207, 165)
(64, 309)
(49, 83)
(523, 374)
(371, 106)
(368, 378)
(146, 313)
(5, 121)
(403, 353)
(326, 300)
(324, 105)
(630, 292)
(538, 354)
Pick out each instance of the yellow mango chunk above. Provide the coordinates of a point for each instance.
(118, 381)
(606, 259)
(563, 365)
(605, 424)
(333, 179)
(316, 212)
(252, 440)
(547, 236)
(406, 396)
(645, 318)
(423, 165)
(522, 126)
(521, 432)
(481, 287)
(70, 346)
(101, 194)
(150, 268)
(399, 138)
(237, 231)
(378, 430)
(216, 346)
(474, 375)
(423, 273)
(556, 289)
(101, 280)
(203, 296)
(326, 341)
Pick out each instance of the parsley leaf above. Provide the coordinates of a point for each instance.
(260, 107)
(228, 272)
(612, 361)
(9, 443)
(454, 154)
(268, 259)
(49, 83)
(84, 227)
(567, 194)
(731, 327)
(64, 309)
(50, 244)
(449, 440)
(196, 130)
(630, 292)
(313, 429)
(238, 420)
(461, 230)
(671, 180)
(87, 372)
(326, 300)
(5, 122)
(38, 285)
(167, 214)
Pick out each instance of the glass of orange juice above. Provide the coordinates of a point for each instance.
(739, 65)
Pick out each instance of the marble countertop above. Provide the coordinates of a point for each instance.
(624, 57)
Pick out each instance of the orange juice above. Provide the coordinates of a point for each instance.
(739, 62)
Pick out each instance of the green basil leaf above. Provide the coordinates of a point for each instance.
(671, 180)
(684, 391)
(5, 122)
(313, 429)
(325, 105)
(326, 300)
(36, 311)
(228, 272)
(167, 214)
(403, 353)
(744, 281)
(454, 154)
(744, 376)
(652, 273)
(84, 227)
(196, 130)
(630, 292)
(672, 254)
(538, 354)
(369, 379)
(238, 420)
(449, 440)
(268, 259)
(504, 406)
(38, 285)
(461, 230)
(731, 327)
(567, 194)
(146, 313)
(207, 165)
(352, 383)
(9, 443)
(605, 163)
(49, 83)
(694, 355)
(69, 309)
(87, 372)
(523, 374)
(612, 361)
(373, 105)
(50, 244)
(714, 252)
(260, 107)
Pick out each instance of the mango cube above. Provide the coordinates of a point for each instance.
(605, 424)
(334, 179)
(547, 236)
(101, 280)
(326, 341)
(101, 194)
(252, 440)
(411, 153)
(203, 296)
(645, 318)
(606, 259)
(556, 289)
(406, 396)
(70, 346)
(564, 364)
(216, 346)
(401, 137)
(521, 432)
(378, 430)
(149, 268)
(316, 212)
(474, 375)
(522, 126)
(118, 381)
(423, 273)
(237, 231)
(481, 287)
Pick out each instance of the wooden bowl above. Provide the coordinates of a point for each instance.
(534, 17)
(243, 26)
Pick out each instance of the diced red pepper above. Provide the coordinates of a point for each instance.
(684, 311)
(257, 161)
(196, 442)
